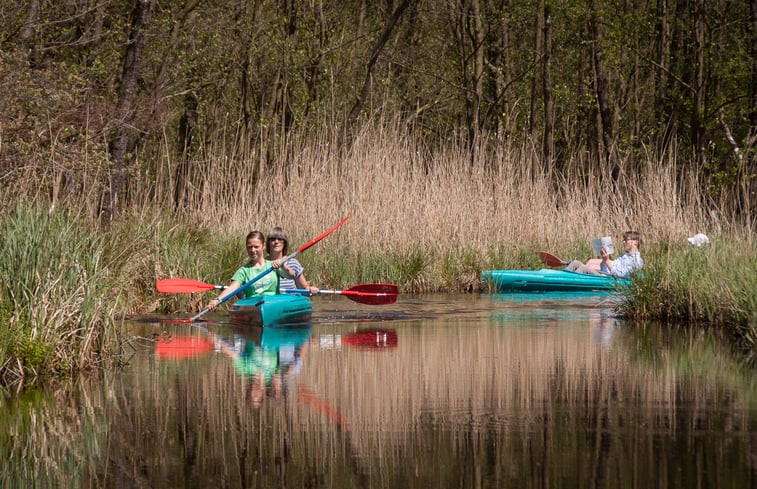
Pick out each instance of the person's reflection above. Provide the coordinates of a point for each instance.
(602, 327)
(270, 359)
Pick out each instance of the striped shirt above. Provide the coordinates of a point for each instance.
(624, 264)
(296, 267)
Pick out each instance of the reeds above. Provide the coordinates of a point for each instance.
(66, 281)
(54, 288)
(712, 285)
(428, 219)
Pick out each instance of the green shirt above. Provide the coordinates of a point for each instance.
(257, 360)
(267, 285)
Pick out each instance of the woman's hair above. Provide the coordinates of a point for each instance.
(277, 232)
(635, 235)
(255, 234)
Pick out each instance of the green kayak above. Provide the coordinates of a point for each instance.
(550, 280)
(272, 310)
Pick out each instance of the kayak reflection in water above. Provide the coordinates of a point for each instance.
(271, 362)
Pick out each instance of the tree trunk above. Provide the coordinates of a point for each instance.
(121, 144)
(749, 185)
(697, 113)
(283, 104)
(548, 139)
(502, 68)
(365, 91)
(753, 88)
(178, 25)
(28, 34)
(661, 106)
(538, 48)
(316, 48)
(30, 24)
(474, 124)
(601, 86)
(187, 128)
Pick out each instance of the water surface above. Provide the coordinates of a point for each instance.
(529, 390)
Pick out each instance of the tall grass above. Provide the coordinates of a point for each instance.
(66, 281)
(403, 196)
(426, 219)
(54, 285)
(714, 285)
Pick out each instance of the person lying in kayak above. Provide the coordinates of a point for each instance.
(622, 266)
(278, 247)
(266, 285)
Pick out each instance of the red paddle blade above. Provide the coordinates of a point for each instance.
(372, 339)
(182, 347)
(551, 260)
(182, 286)
(317, 239)
(373, 294)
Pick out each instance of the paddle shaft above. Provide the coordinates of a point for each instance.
(340, 292)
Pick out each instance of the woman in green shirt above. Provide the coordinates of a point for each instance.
(266, 285)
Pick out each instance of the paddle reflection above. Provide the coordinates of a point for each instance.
(374, 339)
(270, 360)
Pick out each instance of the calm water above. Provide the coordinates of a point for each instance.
(438, 391)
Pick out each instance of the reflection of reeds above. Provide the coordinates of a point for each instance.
(456, 402)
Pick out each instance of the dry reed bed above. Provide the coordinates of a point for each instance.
(400, 193)
(402, 196)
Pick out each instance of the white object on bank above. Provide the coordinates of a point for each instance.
(699, 240)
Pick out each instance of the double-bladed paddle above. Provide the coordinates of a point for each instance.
(374, 294)
(263, 273)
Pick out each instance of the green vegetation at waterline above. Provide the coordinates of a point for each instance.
(715, 285)
(66, 280)
(54, 295)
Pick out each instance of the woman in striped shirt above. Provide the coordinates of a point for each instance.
(278, 246)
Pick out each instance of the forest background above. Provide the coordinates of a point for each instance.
(459, 135)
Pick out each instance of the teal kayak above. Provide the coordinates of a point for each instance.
(272, 310)
(550, 280)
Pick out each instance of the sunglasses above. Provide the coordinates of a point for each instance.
(277, 239)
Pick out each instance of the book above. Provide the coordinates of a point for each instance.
(604, 242)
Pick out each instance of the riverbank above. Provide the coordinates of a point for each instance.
(67, 281)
